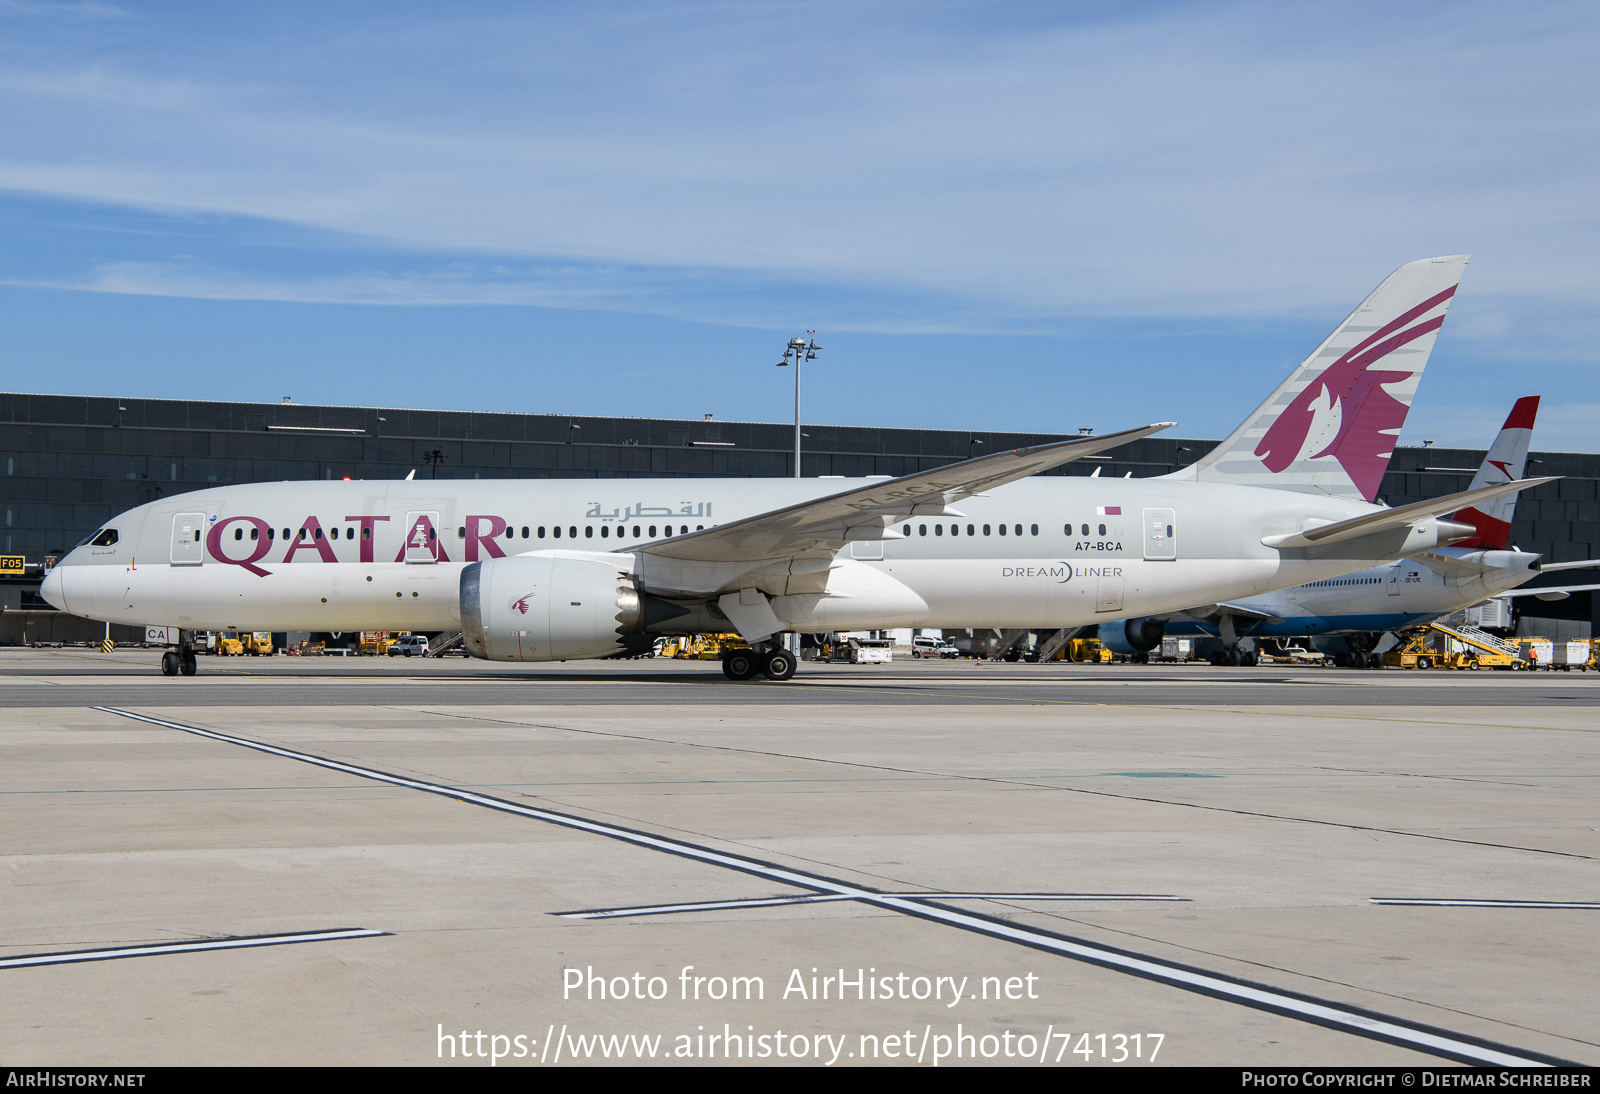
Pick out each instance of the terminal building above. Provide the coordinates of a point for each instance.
(71, 463)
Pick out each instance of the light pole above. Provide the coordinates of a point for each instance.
(800, 349)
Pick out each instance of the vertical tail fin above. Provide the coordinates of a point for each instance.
(1505, 461)
(1331, 427)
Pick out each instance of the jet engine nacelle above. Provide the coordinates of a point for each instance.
(545, 608)
(1132, 636)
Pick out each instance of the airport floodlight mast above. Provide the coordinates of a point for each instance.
(800, 349)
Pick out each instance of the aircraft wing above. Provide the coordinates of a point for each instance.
(1400, 517)
(1588, 563)
(823, 526)
(1210, 613)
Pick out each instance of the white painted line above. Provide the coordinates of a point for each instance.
(1379, 1027)
(821, 898)
(160, 948)
(1581, 904)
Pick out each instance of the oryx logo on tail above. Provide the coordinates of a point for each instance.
(1349, 401)
(1331, 426)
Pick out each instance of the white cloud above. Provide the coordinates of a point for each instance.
(1232, 160)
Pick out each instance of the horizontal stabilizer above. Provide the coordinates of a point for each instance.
(1385, 519)
(1560, 592)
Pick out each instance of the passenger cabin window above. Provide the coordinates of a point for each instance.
(1086, 529)
(1002, 529)
(1102, 529)
(985, 529)
(1034, 530)
(652, 531)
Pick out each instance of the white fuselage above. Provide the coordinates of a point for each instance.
(330, 556)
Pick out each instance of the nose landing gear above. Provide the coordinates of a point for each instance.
(181, 660)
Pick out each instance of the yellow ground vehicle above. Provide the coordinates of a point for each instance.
(702, 647)
(378, 642)
(1088, 650)
(229, 645)
(258, 643)
(1415, 651)
(1430, 647)
(1482, 650)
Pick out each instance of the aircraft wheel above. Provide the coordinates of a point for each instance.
(169, 664)
(778, 665)
(1232, 659)
(1248, 660)
(1374, 661)
(186, 663)
(740, 665)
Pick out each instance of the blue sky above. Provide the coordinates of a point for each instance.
(1027, 216)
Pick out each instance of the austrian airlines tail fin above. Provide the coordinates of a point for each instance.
(1331, 427)
(1505, 461)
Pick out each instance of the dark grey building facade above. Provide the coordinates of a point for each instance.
(71, 463)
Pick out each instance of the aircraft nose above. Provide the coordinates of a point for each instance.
(53, 589)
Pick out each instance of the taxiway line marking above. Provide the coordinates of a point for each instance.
(1363, 1023)
(822, 898)
(157, 948)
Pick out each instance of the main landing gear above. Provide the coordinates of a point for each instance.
(773, 662)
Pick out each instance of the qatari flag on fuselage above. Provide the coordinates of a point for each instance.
(1108, 510)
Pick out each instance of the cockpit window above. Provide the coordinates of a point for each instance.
(106, 538)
